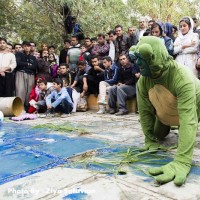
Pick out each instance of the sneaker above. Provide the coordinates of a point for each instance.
(112, 111)
(102, 102)
(42, 115)
(64, 115)
(101, 111)
(50, 115)
(58, 114)
(121, 113)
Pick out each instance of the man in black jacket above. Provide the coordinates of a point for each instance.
(63, 52)
(126, 87)
(25, 73)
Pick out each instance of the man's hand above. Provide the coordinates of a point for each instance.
(72, 86)
(174, 170)
(137, 75)
(198, 64)
(97, 68)
(49, 107)
(2, 73)
(82, 94)
(119, 84)
(85, 87)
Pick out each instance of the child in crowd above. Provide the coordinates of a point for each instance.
(44, 92)
(85, 55)
(34, 96)
(59, 100)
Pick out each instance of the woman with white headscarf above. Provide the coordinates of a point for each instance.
(186, 44)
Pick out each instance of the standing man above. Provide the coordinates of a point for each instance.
(34, 51)
(63, 52)
(7, 65)
(17, 47)
(73, 55)
(112, 38)
(142, 28)
(121, 44)
(196, 28)
(102, 48)
(25, 73)
(132, 39)
(88, 44)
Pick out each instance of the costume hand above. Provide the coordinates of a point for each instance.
(174, 170)
(152, 145)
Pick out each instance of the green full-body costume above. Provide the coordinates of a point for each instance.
(168, 94)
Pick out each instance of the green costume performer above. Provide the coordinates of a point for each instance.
(168, 94)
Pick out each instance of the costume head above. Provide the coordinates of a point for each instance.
(151, 56)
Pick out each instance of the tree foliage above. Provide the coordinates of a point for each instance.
(164, 10)
(42, 20)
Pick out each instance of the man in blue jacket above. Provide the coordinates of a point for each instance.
(110, 78)
(59, 100)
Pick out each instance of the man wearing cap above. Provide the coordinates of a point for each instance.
(7, 65)
(25, 73)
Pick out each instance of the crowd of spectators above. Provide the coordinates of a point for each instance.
(45, 80)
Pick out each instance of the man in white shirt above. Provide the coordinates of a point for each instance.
(7, 65)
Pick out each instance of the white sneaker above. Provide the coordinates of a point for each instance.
(102, 102)
(42, 115)
(101, 111)
(64, 115)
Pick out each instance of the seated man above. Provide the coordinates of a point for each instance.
(168, 94)
(97, 73)
(111, 76)
(59, 100)
(83, 81)
(126, 87)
